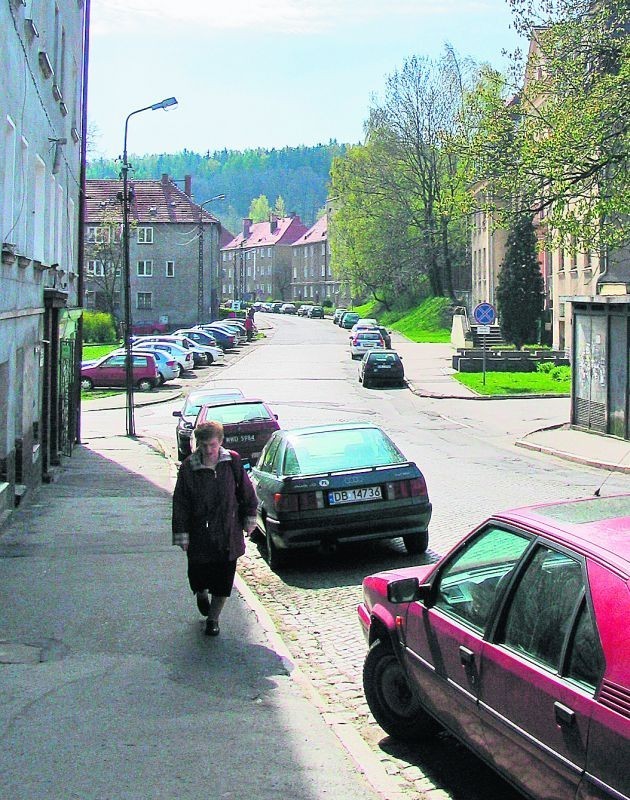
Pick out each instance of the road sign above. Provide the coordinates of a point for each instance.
(483, 329)
(484, 314)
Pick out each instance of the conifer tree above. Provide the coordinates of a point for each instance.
(520, 289)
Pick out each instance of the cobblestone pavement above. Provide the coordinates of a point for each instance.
(314, 610)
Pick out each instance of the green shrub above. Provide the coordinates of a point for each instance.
(555, 372)
(327, 302)
(536, 347)
(98, 327)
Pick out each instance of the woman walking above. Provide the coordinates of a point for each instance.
(213, 503)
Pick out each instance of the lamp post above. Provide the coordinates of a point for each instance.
(213, 312)
(126, 199)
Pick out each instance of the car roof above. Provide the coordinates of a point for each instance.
(214, 391)
(598, 527)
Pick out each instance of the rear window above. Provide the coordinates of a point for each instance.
(193, 406)
(329, 451)
(248, 412)
(383, 358)
(369, 336)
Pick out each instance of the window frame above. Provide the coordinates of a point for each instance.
(147, 234)
(144, 306)
(147, 272)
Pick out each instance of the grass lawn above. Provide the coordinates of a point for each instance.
(514, 383)
(93, 351)
(420, 324)
(98, 394)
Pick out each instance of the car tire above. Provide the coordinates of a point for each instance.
(416, 542)
(87, 384)
(145, 385)
(366, 382)
(273, 555)
(392, 701)
(209, 358)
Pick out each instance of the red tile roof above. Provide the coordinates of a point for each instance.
(154, 201)
(287, 230)
(317, 233)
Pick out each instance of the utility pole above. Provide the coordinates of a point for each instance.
(200, 275)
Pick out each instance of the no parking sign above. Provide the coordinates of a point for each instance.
(485, 314)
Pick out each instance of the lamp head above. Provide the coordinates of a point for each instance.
(170, 101)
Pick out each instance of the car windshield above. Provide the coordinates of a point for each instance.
(369, 336)
(193, 404)
(240, 412)
(332, 451)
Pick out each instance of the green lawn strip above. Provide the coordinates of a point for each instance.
(93, 351)
(513, 383)
(99, 394)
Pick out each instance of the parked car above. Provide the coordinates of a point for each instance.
(381, 366)
(168, 368)
(321, 485)
(111, 371)
(226, 339)
(315, 312)
(348, 319)
(247, 424)
(288, 308)
(386, 336)
(517, 642)
(198, 352)
(141, 328)
(363, 341)
(188, 413)
(303, 309)
(276, 308)
(339, 312)
(183, 358)
(205, 340)
(265, 307)
(362, 326)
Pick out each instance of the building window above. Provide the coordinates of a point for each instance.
(90, 299)
(262, 252)
(145, 269)
(144, 300)
(98, 235)
(224, 256)
(269, 252)
(294, 273)
(145, 235)
(324, 249)
(116, 299)
(323, 270)
(170, 269)
(95, 268)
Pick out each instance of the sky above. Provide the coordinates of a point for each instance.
(265, 73)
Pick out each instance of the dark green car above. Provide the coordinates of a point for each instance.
(329, 484)
(348, 319)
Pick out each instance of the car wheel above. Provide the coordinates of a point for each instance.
(161, 379)
(274, 557)
(210, 358)
(390, 698)
(366, 382)
(416, 542)
(86, 384)
(145, 385)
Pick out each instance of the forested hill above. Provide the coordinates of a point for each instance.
(300, 175)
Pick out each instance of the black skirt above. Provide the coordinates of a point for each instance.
(217, 577)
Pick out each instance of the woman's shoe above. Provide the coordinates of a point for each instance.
(212, 627)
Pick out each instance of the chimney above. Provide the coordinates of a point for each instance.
(292, 214)
(165, 179)
(188, 185)
(273, 224)
(247, 225)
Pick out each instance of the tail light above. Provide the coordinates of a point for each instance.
(170, 363)
(303, 501)
(398, 490)
(355, 341)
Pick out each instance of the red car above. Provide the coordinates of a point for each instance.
(516, 642)
(111, 370)
(248, 424)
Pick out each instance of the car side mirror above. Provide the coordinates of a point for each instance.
(408, 590)
(275, 416)
(177, 413)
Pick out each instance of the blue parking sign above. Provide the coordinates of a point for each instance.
(485, 314)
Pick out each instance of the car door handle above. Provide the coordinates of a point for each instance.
(466, 656)
(564, 716)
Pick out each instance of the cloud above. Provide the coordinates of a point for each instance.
(268, 16)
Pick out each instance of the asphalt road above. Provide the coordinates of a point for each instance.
(305, 372)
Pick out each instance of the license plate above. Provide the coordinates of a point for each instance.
(246, 437)
(359, 495)
(383, 366)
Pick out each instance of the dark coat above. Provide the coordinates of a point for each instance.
(211, 508)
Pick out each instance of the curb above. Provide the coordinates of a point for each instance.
(368, 764)
(439, 396)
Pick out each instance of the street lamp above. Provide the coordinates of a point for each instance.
(213, 310)
(126, 199)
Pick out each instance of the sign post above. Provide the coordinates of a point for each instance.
(484, 315)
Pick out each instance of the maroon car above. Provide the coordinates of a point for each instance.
(516, 642)
(248, 424)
